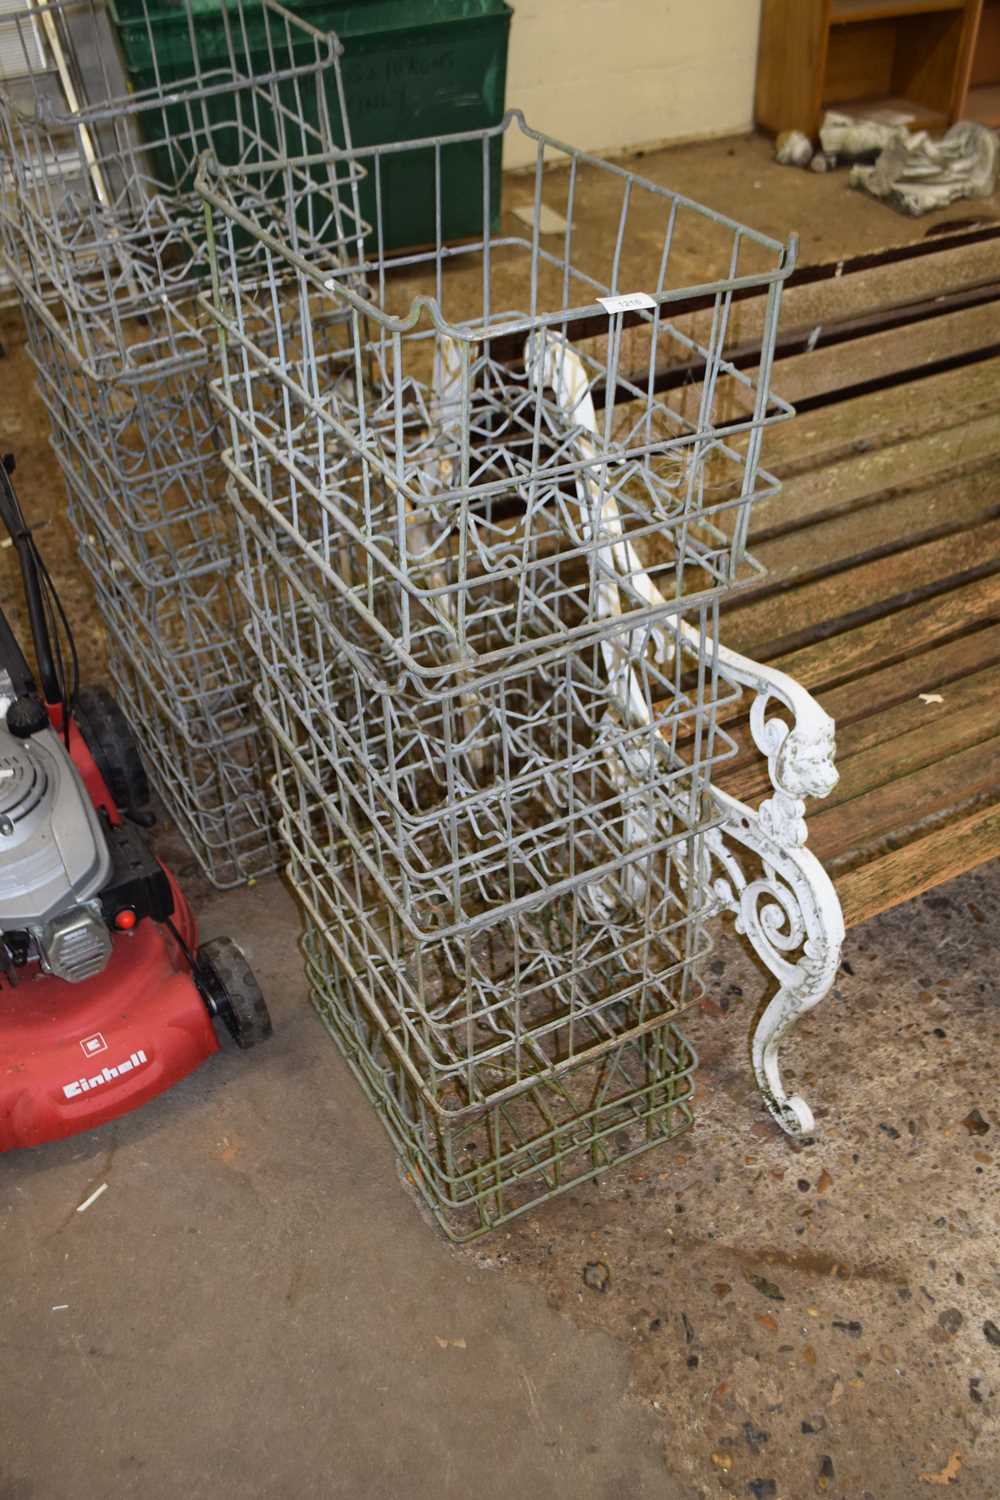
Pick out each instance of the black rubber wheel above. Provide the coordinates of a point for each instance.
(109, 739)
(232, 993)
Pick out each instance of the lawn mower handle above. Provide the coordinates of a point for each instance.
(20, 534)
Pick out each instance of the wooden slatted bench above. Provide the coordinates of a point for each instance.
(886, 587)
(879, 616)
(883, 602)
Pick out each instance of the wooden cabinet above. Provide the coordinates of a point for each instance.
(916, 57)
(981, 94)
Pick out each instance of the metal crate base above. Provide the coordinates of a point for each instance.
(482, 1171)
(478, 1019)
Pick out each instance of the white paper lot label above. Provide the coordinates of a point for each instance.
(631, 302)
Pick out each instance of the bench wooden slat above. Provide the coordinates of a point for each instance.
(929, 860)
(904, 803)
(824, 370)
(930, 464)
(836, 298)
(927, 671)
(829, 369)
(817, 439)
(884, 527)
(880, 354)
(889, 743)
(894, 637)
(938, 670)
(781, 622)
(886, 746)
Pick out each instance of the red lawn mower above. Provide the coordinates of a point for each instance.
(105, 998)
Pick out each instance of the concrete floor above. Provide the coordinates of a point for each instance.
(254, 1306)
(257, 1306)
(823, 1318)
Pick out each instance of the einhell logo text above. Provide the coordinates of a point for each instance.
(106, 1075)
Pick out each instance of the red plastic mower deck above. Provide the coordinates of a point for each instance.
(73, 1056)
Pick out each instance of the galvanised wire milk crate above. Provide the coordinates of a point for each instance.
(100, 212)
(502, 787)
(217, 794)
(178, 641)
(465, 377)
(480, 1169)
(106, 246)
(530, 1045)
(509, 904)
(166, 593)
(482, 557)
(509, 880)
(143, 454)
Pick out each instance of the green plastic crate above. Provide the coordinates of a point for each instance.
(411, 68)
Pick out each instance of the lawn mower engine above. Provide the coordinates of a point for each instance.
(54, 858)
(105, 998)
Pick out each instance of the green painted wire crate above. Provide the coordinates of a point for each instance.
(411, 69)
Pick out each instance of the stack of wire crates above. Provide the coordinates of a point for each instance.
(106, 243)
(483, 558)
